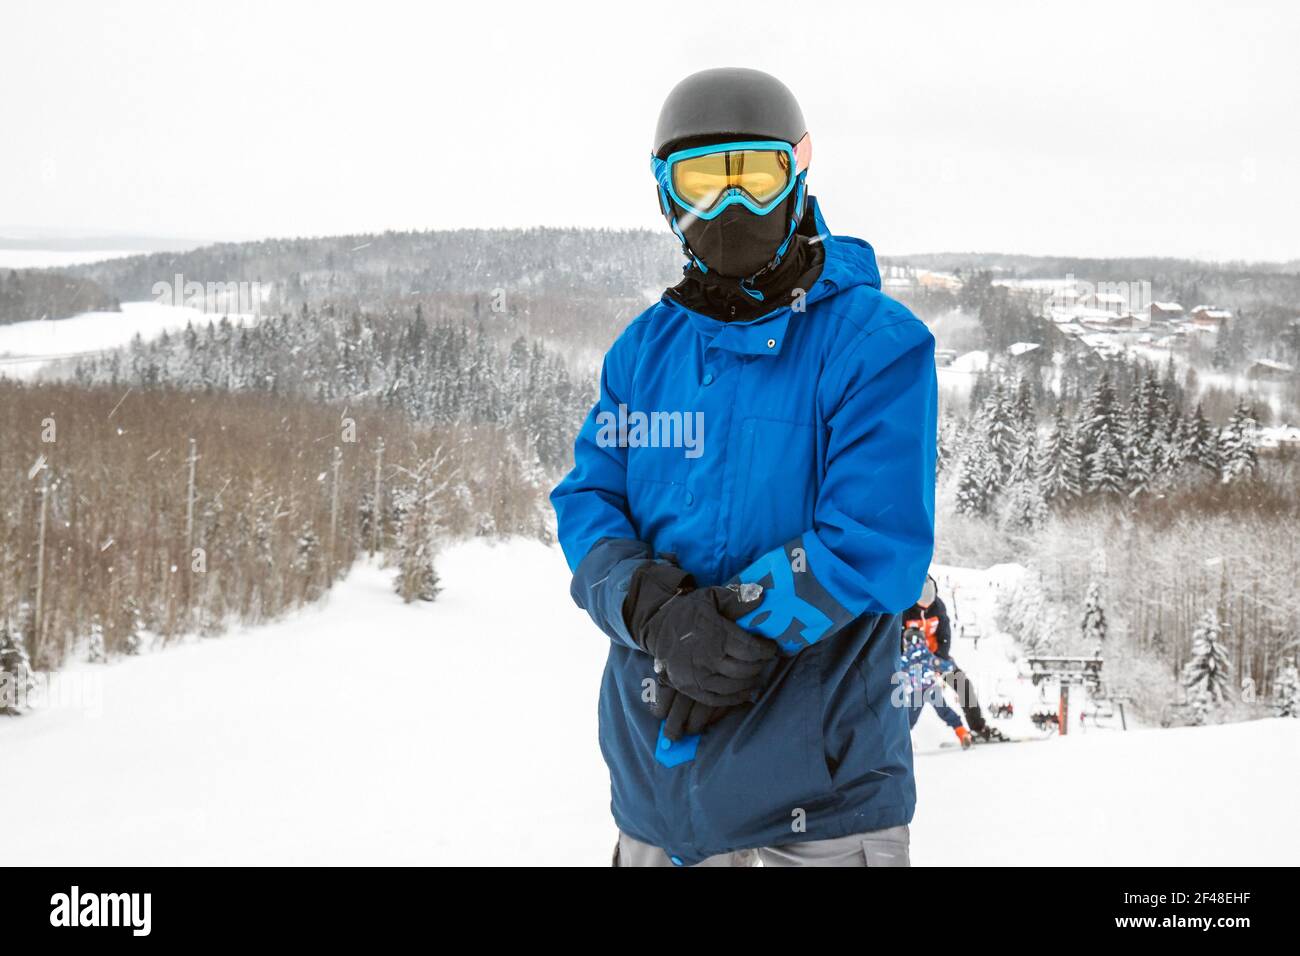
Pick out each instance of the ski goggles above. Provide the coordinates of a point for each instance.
(757, 175)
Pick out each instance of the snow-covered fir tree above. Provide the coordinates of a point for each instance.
(1106, 469)
(1238, 451)
(1200, 443)
(1027, 507)
(1207, 674)
(999, 431)
(977, 480)
(1093, 625)
(95, 650)
(1100, 440)
(130, 638)
(15, 669)
(1058, 465)
(1286, 691)
(415, 555)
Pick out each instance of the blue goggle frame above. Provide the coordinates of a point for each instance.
(662, 169)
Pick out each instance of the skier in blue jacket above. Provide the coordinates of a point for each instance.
(751, 505)
(922, 674)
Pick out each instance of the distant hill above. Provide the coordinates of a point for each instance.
(17, 238)
(32, 294)
(577, 285)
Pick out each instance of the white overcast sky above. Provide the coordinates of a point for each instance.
(1080, 128)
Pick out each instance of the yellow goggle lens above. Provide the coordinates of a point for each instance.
(701, 180)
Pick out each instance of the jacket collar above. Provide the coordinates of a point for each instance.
(849, 262)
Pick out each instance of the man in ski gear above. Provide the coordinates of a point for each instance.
(803, 520)
(919, 670)
(930, 617)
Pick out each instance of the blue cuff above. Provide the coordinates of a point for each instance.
(796, 610)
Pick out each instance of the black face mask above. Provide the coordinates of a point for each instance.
(736, 243)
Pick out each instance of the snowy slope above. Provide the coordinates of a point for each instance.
(1195, 796)
(361, 731)
(368, 731)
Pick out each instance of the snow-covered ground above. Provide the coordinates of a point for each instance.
(959, 375)
(368, 731)
(28, 347)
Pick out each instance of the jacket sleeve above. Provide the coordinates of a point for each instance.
(595, 530)
(873, 532)
(943, 633)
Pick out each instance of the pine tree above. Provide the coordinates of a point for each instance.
(1141, 453)
(1099, 440)
(95, 651)
(1106, 472)
(417, 578)
(998, 420)
(1286, 691)
(1024, 464)
(1026, 507)
(15, 669)
(1238, 453)
(1206, 674)
(976, 480)
(1058, 466)
(1201, 446)
(130, 625)
(1093, 625)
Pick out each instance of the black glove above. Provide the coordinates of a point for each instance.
(682, 716)
(692, 633)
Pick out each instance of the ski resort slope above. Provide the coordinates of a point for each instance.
(464, 732)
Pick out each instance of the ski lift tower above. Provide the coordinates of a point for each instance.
(1067, 671)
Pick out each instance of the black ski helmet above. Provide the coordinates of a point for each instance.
(729, 101)
(714, 106)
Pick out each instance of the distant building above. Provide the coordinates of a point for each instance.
(1277, 438)
(1166, 312)
(938, 280)
(1019, 349)
(1210, 316)
(1112, 303)
(1098, 321)
(1269, 370)
(944, 357)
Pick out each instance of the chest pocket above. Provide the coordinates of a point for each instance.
(776, 481)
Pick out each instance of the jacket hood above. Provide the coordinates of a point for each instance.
(849, 261)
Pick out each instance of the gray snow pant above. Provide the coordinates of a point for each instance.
(876, 848)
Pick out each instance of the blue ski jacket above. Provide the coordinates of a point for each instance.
(920, 676)
(795, 451)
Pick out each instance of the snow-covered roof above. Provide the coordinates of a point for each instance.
(970, 361)
(1275, 365)
(1109, 297)
(1020, 348)
(1167, 306)
(1273, 436)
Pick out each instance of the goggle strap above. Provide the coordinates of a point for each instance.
(672, 221)
(794, 222)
